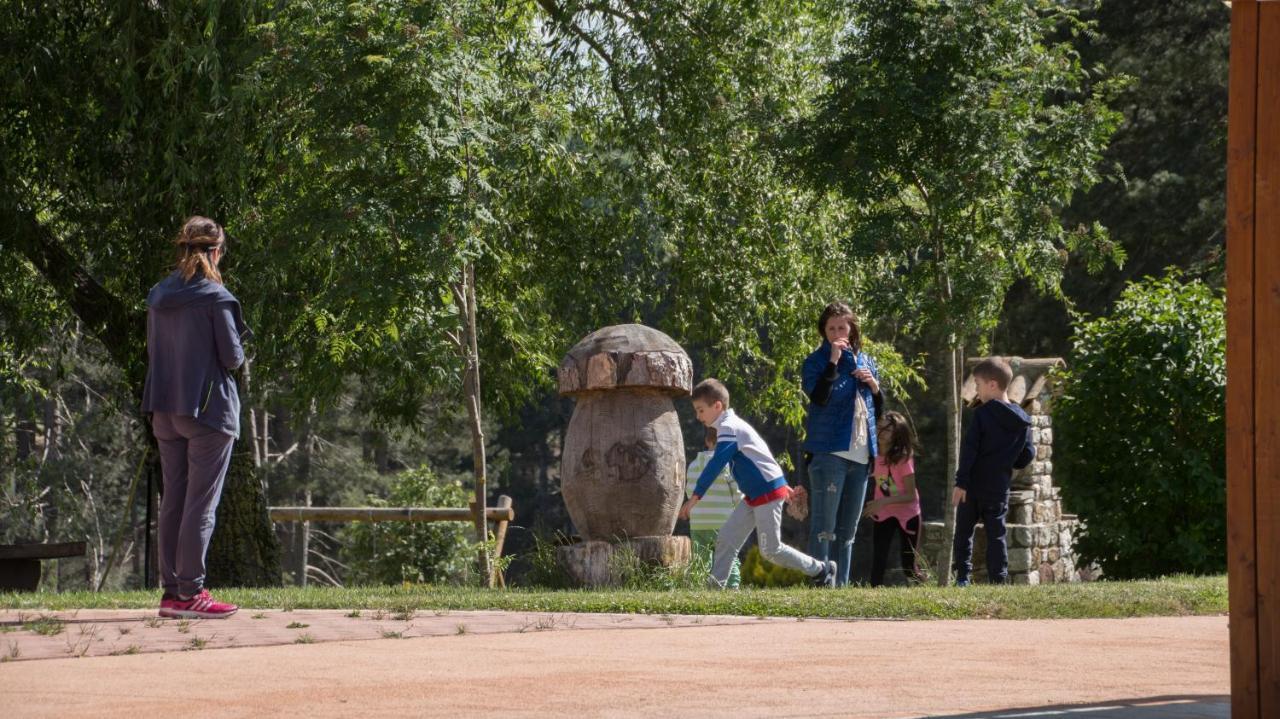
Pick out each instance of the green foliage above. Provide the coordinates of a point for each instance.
(76, 452)
(666, 197)
(756, 572)
(414, 552)
(960, 130)
(545, 570)
(1162, 207)
(1165, 208)
(1141, 431)
(23, 504)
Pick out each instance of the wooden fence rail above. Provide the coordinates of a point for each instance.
(385, 514)
(501, 515)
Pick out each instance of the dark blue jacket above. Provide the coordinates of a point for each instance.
(998, 442)
(194, 330)
(830, 388)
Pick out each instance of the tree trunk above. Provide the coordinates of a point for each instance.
(471, 387)
(303, 476)
(304, 543)
(244, 551)
(623, 467)
(25, 427)
(52, 429)
(955, 362)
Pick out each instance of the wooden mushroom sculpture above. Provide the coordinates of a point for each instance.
(622, 472)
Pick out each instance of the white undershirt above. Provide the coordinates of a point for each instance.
(859, 447)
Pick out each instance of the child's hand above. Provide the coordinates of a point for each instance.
(871, 508)
(957, 496)
(799, 495)
(687, 506)
(798, 504)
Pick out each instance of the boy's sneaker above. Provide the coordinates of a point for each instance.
(962, 582)
(827, 577)
(201, 606)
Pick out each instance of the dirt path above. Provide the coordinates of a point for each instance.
(624, 665)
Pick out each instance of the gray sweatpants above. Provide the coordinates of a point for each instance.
(766, 520)
(194, 459)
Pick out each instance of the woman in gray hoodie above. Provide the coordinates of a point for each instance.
(194, 330)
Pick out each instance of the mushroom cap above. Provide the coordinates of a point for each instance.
(626, 356)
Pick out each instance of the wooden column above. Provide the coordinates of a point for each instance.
(1253, 358)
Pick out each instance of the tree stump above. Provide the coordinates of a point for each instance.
(623, 461)
(600, 564)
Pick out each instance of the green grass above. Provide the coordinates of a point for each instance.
(1174, 596)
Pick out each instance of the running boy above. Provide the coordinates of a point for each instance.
(762, 484)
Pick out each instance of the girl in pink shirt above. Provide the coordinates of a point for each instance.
(895, 506)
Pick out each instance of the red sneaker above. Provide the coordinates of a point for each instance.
(201, 606)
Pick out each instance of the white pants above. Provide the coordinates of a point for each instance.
(766, 520)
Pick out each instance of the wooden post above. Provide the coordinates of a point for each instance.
(1253, 358)
(500, 536)
(304, 545)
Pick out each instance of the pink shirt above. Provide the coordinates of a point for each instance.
(888, 483)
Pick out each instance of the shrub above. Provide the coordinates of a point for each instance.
(756, 572)
(419, 552)
(1141, 432)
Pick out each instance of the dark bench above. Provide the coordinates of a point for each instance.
(20, 563)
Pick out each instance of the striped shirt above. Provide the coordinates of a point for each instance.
(720, 499)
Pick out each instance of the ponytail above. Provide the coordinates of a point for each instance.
(196, 241)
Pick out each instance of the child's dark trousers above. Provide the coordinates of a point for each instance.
(992, 515)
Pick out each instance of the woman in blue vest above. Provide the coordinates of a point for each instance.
(843, 388)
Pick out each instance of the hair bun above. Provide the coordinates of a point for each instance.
(198, 228)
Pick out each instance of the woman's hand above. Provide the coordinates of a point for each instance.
(865, 376)
(837, 348)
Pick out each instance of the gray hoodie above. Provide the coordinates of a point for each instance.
(194, 329)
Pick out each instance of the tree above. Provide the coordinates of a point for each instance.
(411, 187)
(717, 245)
(1141, 429)
(100, 161)
(1168, 203)
(960, 130)
(1164, 201)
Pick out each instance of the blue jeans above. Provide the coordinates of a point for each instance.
(991, 514)
(837, 490)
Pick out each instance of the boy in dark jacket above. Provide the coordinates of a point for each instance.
(997, 443)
